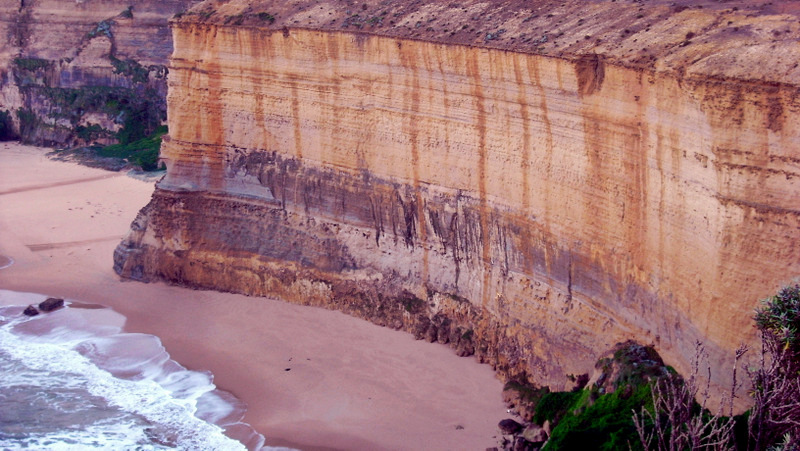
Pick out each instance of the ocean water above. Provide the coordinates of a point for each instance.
(72, 380)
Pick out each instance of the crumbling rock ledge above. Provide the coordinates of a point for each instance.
(525, 205)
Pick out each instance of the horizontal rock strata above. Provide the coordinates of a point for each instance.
(529, 208)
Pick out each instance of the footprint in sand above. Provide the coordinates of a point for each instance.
(5, 262)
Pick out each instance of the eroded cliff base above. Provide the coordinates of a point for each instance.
(223, 242)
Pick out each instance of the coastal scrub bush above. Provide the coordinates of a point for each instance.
(32, 64)
(130, 68)
(774, 419)
(142, 153)
(599, 415)
(236, 19)
(678, 422)
(138, 110)
(670, 412)
(266, 17)
(102, 28)
(604, 424)
(779, 320)
(411, 303)
(553, 406)
(91, 132)
(526, 392)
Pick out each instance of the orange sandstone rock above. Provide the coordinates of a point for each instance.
(531, 202)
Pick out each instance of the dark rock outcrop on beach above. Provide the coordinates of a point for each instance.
(527, 182)
(50, 304)
(509, 426)
(46, 306)
(535, 434)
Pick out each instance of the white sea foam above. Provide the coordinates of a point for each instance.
(156, 403)
(107, 436)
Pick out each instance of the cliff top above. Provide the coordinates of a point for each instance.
(742, 39)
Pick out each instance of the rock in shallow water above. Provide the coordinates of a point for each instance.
(50, 304)
(30, 311)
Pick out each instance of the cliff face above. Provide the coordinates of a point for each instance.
(531, 208)
(76, 72)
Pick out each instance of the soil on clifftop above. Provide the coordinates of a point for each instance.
(747, 40)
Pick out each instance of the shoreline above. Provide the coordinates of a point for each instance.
(130, 359)
(311, 378)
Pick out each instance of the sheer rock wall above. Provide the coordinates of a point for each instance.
(530, 208)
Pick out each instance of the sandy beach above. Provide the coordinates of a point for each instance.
(311, 378)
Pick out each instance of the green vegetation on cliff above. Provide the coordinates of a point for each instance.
(32, 64)
(669, 410)
(68, 104)
(601, 413)
(605, 421)
(130, 68)
(142, 152)
(137, 111)
(779, 319)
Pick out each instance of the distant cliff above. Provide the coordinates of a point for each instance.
(530, 184)
(78, 71)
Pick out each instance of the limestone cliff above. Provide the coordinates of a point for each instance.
(531, 194)
(84, 71)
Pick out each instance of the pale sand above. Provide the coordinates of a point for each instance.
(351, 384)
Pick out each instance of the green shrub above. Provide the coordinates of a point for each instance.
(130, 68)
(90, 133)
(779, 316)
(527, 392)
(143, 152)
(102, 28)
(555, 405)
(236, 19)
(266, 17)
(139, 110)
(637, 365)
(605, 424)
(32, 64)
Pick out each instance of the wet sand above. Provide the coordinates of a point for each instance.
(311, 378)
